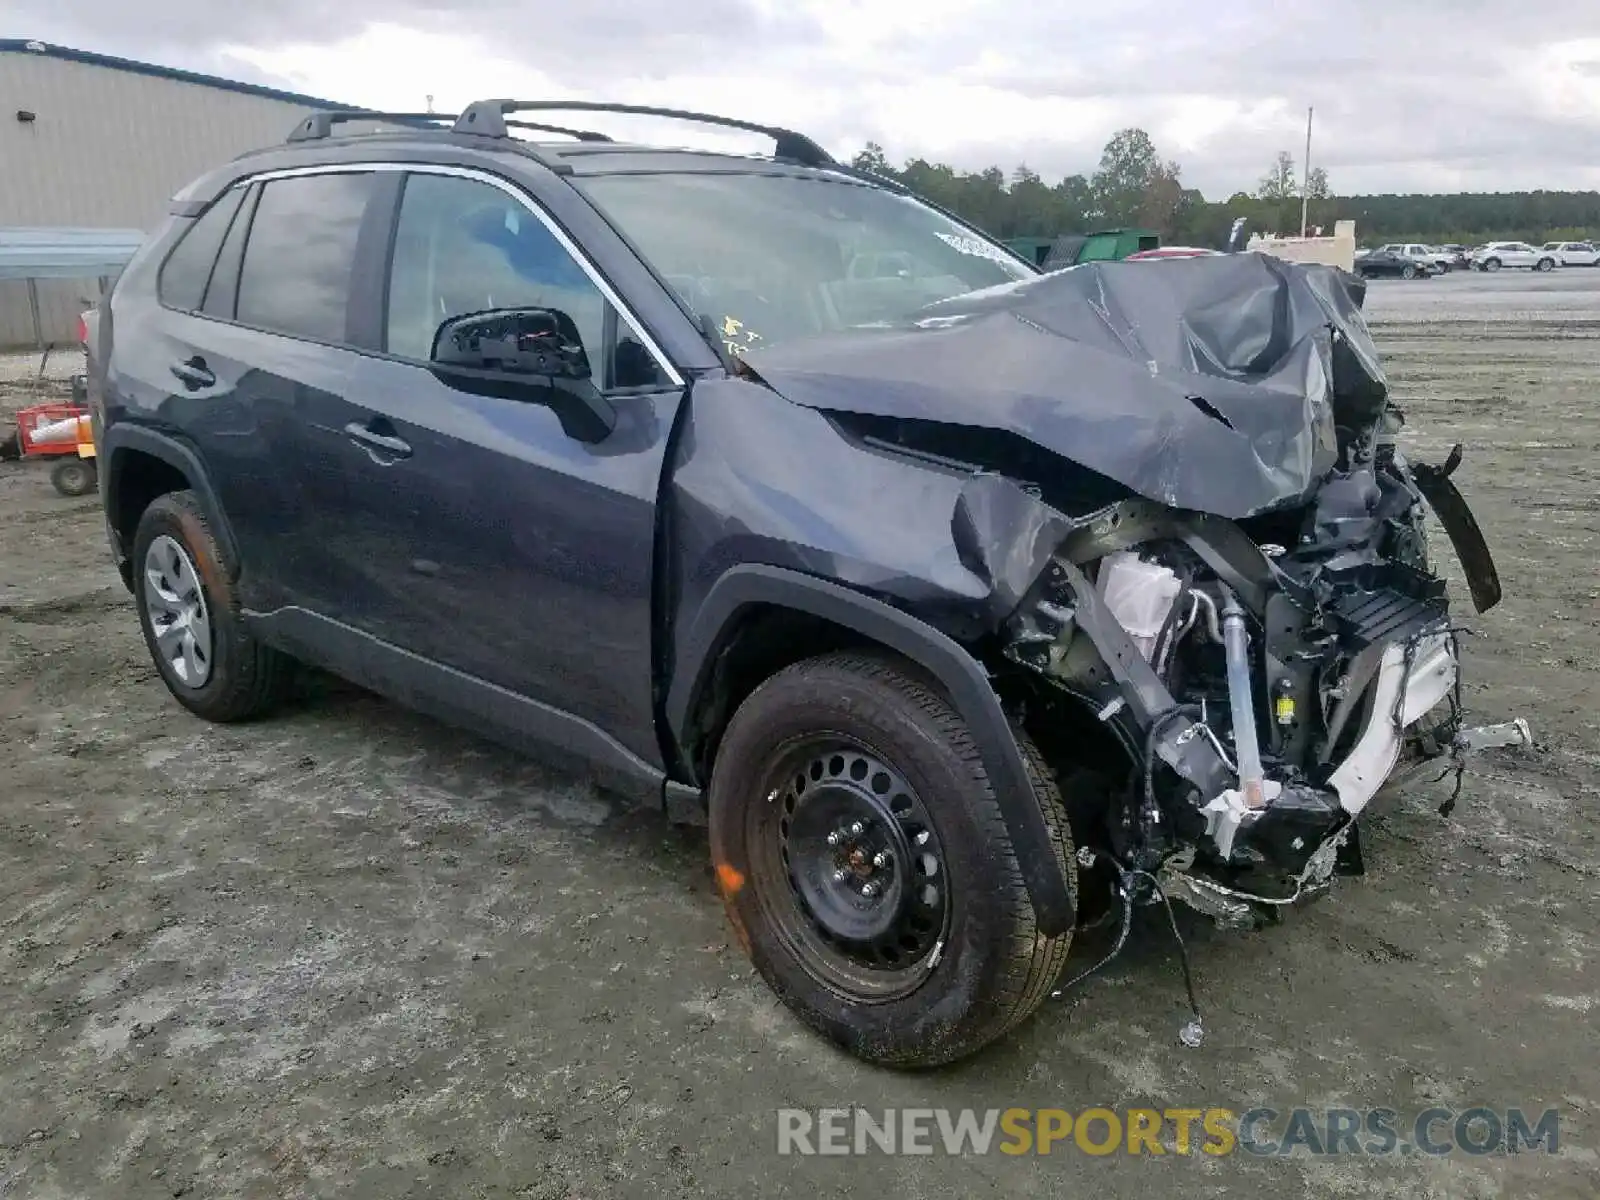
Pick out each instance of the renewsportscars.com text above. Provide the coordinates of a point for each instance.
(1211, 1131)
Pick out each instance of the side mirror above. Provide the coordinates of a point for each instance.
(517, 341)
(528, 354)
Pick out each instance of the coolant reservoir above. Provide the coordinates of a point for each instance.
(1139, 594)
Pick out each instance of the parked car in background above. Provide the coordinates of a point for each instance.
(1573, 254)
(1495, 255)
(1428, 255)
(1381, 263)
(1456, 255)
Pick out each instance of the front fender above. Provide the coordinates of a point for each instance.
(963, 678)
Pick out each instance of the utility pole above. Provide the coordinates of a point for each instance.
(1305, 178)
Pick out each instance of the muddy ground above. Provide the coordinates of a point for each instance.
(348, 950)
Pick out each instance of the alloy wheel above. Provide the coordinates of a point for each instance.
(175, 605)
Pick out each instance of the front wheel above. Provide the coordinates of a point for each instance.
(865, 867)
(1492, 264)
(1408, 272)
(1545, 264)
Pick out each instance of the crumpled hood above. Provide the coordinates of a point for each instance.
(1212, 384)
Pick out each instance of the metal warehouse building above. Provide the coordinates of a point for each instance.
(91, 140)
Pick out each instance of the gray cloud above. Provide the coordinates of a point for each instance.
(571, 42)
(1410, 94)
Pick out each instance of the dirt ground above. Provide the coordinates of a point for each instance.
(348, 950)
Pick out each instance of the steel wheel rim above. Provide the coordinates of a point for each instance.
(175, 606)
(866, 915)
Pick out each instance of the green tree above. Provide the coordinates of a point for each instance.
(1129, 166)
(1278, 183)
(1134, 185)
(872, 158)
(1163, 198)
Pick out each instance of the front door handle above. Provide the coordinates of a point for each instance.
(371, 440)
(194, 373)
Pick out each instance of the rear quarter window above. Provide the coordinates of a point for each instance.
(182, 281)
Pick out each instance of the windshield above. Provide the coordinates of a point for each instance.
(770, 258)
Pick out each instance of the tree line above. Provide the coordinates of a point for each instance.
(1135, 186)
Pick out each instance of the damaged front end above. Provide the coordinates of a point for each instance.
(1189, 514)
(1272, 689)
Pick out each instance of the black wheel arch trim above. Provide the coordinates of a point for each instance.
(963, 678)
(120, 438)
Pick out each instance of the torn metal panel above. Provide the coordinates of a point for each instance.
(1461, 527)
(1216, 384)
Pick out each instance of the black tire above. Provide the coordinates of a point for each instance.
(1545, 264)
(1408, 272)
(75, 476)
(246, 679)
(1491, 264)
(990, 969)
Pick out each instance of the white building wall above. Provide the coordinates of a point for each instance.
(108, 148)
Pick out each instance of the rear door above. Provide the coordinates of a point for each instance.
(268, 353)
(511, 550)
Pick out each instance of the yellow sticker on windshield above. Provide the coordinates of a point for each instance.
(737, 337)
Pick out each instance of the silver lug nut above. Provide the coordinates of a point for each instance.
(840, 876)
(869, 889)
(881, 859)
(857, 829)
(835, 838)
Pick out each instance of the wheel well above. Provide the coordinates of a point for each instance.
(141, 478)
(766, 639)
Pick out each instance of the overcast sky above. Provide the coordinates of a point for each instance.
(1410, 95)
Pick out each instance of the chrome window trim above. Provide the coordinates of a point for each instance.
(624, 313)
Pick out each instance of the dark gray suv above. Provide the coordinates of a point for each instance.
(971, 605)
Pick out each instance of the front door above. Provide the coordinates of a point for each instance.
(508, 549)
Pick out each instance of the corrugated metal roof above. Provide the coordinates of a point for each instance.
(89, 57)
(65, 253)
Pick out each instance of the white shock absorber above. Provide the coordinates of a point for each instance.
(1236, 646)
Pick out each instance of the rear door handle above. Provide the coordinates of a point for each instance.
(386, 444)
(194, 373)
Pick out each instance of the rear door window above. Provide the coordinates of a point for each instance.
(182, 282)
(301, 255)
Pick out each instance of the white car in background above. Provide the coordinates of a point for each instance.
(1573, 254)
(1512, 254)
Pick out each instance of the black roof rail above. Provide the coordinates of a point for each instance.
(487, 118)
(320, 124)
(583, 135)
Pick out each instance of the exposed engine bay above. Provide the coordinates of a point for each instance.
(1272, 687)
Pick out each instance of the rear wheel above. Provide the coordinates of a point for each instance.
(864, 864)
(190, 616)
(1545, 264)
(1408, 272)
